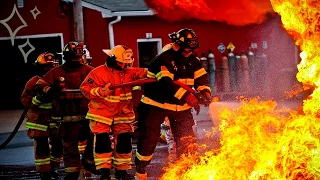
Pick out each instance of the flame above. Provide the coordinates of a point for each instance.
(234, 12)
(259, 140)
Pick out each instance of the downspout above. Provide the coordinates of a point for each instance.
(111, 34)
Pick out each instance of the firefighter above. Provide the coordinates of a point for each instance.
(165, 98)
(38, 122)
(112, 110)
(69, 105)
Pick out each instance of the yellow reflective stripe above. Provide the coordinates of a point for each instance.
(200, 88)
(136, 88)
(82, 148)
(72, 169)
(180, 93)
(187, 81)
(56, 159)
(45, 106)
(98, 118)
(95, 92)
(53, 125)
(55, 118)
(143, 158)
(112, 98)
(35, 101)
(45, 89)
(172, 107)
(119, 161)
(42, 161)
(126, 96)
(164, 73)
(199, 73)
(40, 127)
(124, 119)
(151, 75)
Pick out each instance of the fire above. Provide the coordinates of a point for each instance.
(259, 140)
(235, 12)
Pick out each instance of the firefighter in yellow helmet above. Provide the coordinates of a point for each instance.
(112, 110)
(39, 124)
(62, 84)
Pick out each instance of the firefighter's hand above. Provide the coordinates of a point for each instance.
(205, 97)
(197, 109)
(105, 91)
(191, 100)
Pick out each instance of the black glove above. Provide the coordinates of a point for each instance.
(205, 97)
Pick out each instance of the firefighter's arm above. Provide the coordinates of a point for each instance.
(201, 82)
(93, 87)
(44, 85)
(27, 94)
(139, 73)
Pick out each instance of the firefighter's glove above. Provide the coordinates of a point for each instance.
(191, 100)
(197, 109)
(105, 91)
(205, 97)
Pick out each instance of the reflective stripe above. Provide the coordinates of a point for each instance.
(151, 75)
(40, 127)
(99, 118)
(136, 88)
(180, 93)
(119, 161)
(56, 159)
(53, 125)
(102, 158)
(42, 161)
(199, 73)
(45, 106)
(127, 96)
(124, 119)
(187, 81)
(203, 87)
(112, 98)
(143, 158)
(94, 91)
(172, 107)
(164, 73)
(45, 89)
(35, 101)
(72, 169)
(55, 118)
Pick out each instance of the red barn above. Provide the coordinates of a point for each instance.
(34, 26)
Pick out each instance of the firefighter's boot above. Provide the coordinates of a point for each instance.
(72, 176)
(123, 175)
(141, 176)
(45, 175)
(90, 166)
(105, 174)
(141, 173)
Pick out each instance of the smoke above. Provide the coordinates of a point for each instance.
(234, 12)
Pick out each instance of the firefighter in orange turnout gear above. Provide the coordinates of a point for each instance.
(69, 105)
(166, 99)
(112, 110)
(38, 122)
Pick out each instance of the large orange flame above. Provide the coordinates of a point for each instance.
(235, 12)
(259, 141)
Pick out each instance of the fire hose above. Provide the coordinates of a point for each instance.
(16, 128)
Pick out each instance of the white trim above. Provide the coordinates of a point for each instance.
(159, 44)
(38, 36)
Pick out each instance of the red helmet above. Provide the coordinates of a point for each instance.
(73, 50)
(185, 38)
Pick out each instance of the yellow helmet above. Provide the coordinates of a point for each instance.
(121, 54)
(46, 58)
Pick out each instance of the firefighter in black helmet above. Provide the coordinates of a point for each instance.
(166, 99)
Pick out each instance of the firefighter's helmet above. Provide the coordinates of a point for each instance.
(185, 38)
(120, 53)
(46, 58)
(73, 51)
(167, 47)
